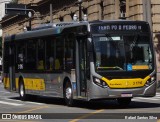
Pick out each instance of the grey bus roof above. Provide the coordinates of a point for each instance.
(44, 30)
(52, 28)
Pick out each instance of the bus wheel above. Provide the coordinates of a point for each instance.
(68, 94)
(22, 93)
(124, 101)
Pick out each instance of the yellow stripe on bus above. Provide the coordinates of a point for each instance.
(126, 83)
(30, 83)
(6, 82)
(34, 84)
(140, 67)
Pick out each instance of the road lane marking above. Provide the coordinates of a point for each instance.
(4, 92)
(141, 98)
(157, 97)
(87, 115)
(33, 109)
(25, 101)
(9, 103)
(34, 103)
(12, 99)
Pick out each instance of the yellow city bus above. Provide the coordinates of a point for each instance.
(90, 60)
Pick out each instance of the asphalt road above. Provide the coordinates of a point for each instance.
(52, 109)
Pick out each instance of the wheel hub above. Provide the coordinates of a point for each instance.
(68, 93)
(21, 90)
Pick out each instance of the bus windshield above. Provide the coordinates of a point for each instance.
(123, 52)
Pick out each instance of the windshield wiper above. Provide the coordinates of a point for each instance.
(134, 42)
(114, 67)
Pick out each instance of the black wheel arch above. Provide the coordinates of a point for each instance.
(66, 79)
(21, 79)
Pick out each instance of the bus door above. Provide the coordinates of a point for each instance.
(12, 67)
(81, 66)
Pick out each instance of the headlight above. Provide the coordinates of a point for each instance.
(151, 80)
(100, 82)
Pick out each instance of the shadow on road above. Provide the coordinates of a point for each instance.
(107, 104)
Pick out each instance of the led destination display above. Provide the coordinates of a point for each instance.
(107, 27)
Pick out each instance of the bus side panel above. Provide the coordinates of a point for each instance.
(34, 83)
(54, 83)
(48, 84)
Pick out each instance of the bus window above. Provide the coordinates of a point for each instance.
(59, 54)
(50, 47)
(31, 55)
(40, 62)
(54, 53)
(20, 56)
(6, 57)
(69, 52)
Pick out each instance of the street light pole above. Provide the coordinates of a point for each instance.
(147, 12)
(122, 9)
(30, 15)
(80, 9)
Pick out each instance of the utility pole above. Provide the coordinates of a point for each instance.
(122, 6)
(147, 12)
(51, 16)
(80, 9)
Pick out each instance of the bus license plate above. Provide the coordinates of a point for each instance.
(126, 95)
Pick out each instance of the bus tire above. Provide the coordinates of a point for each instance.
(68, 94)
(124, 101)
(22, 92)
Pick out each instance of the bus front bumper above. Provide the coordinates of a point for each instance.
(97, 92)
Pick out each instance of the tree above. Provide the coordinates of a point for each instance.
(14, 1)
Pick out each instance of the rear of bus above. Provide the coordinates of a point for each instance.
(123, 64)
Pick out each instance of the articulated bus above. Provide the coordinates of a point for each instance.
(90, 60)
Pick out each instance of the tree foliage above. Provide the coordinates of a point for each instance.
(14, 1)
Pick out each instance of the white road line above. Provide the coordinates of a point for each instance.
(24, 102)
(141, 98)
(36, 103)
(12, 100)
(8, 103)
(4, 92)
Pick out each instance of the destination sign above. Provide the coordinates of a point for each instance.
(103, 28)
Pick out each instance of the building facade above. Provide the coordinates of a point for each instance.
(63, 10)
(2, 11)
